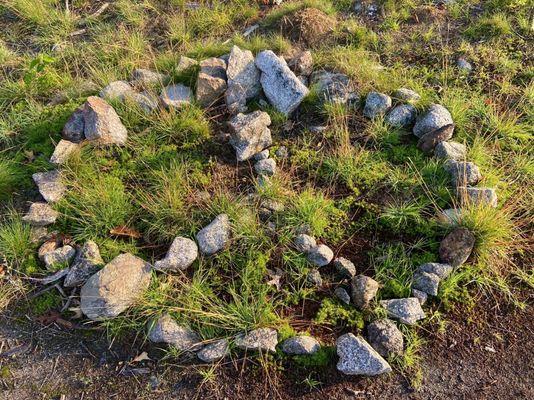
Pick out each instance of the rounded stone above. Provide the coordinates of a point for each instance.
(401, 116)
(345, 267)
(215, 236)
(376, 104)
(364, 289)
(265, 167)
(385, 337)
(457, 246)
(435, 117)
(304, 243)
(300, 345)
(214, 351)
(182, 253)
(320, 255)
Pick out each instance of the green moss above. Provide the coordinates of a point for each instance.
(332, 312)
(47, 301)
(320, 359)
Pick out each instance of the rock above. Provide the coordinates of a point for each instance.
(262, 155)
(345, 267)
(211, 81)
(280, 85)
(262, 339)
(302, 63)
(463, 173)
(85, 264)
(401, 116)
(435, 117)
(102, 124)
(176, 96)
(185, 63)
(450, 216)
(145, 78)
(166, 330)
(64, 149)
(441, 270)
(357, 357)
(421, 296)
(478, 196)
(430, 140)
(115, 287)
(426, 282)
(457, 246)
(250, 134)
(215, 236)
(408, 310)
(376, 104)
(464, 66)
(47, 247)
(243, 79)
(265, 167)
(385, 337)
(342, 295)
(182, 253)
(146, 101)
(40, 214)
(318, 129)
(73, 129)
(118, 90)
(272, 205)
(304, 243)
(314, 278)
(331, 87)
(214, 351)
(59, 257)
(450, 150)
(320, 255)
(281, 152)
(50, 185)
(300, 345)
(364, 289)
(408, 95)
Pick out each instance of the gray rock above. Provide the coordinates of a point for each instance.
(50, 185)
(262, 339)
(185, 63)
(300, 345)
(342, 295)
(63, 151)
(214, 66)
(320, 255)
(430, 140)
(304, 243)
(401, 116)
(408, 95)
(272, 205)
(146, 101)
(145, 77)
(463, 173)
(408, 310)
(47, 247)
(376, 104)
(302, 63)
(250, 134)
(345, 267)
(118, 90)
(357, 357)
(211, 81)
(385, 337)
(281, 152)
(318, 129)
(86, 263)
(280, 85)
(421, 296)
(182, 253)
(456, 247)
(102, 124)
(331, 87)
(115, 287)
(243, 79)
(166, 330)
(40, 214)
(214, 351)
(450, 216)
(364, 290)
(314, 278)
(73, 129)
(464, 66)
(435, 117)
(59, 257)
(215, 236)
(176, 96)
(478, 196)
(441, 270)
(262, 155)
(426, 282)
(265, 167)
(450, 150)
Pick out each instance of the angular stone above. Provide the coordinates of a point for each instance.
(215, 236)
(262, 339)
(214, 351)
(441, 270)
(345, 267)
(145, 77)
(60, 256)
(211, 81)
(50, 185)
(357, 357)
(272, 205)
(64, 149)
(185, 63)
(166, 330)
(40, 214)
(408, 310)
(265, 167)
(426, 282)
(331, 87)
(47, 247)
(280, 85)
(302, 63)
(478, 196)
(450, 150)
(408, 95)
(250, 134)
(182, 253)
(463, 173)
(364, 289)
(115, 287)
(456, 247)
(385, 337)
(176, 96)
(435, 117)
(320, 255)
(342, 295)
(314, 278)
(300, 345)
(304, 243)
(430, 140)
(421, 296)
(102, 124)
(376, 104)
(118, 90)
(86, 263)
(243, 79)
(401, 116)
(73, 129)
(262, 155)
(146, 101)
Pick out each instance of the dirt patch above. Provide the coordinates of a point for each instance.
(310, 26)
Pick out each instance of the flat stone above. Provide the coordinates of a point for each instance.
(167, 330)
(435, 117)
(215, 236)
(385, 337)
(364, 290)
(345, 267)
(262, 155)
(376, 104)
(182, 253)
(118, 90)
(456, 247)
(342, 295)
(50, 185)
(250, 134)
(185, 63)
(426, 282)
(145, 77)
(479, 196)
(408, 95)
(421, 296)
(300, 345)
(86, 263)
(243, 80)
(357, 357)
(450, 150)
(102, 124)
(280, 85)
(331, 87)
(302, 63)
(304, 243)
(262, 339)
(265, 167)
(430, 140)
(441, 270)
(401, 116)
(64, 149)
(214, 351)
(59, 257)
(314, 278)
(115, 287)
(463, 173)
(408, 310)
(73, 128)
(320, 255)
(211, 81)
(176, 96)
(40, 214)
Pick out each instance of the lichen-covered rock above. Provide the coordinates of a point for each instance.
(265, 167)
(47, 247)
(262, 339)
(182, 253)
(146, 101)
(435, 117)
(441, 270)
(342, 294)
(40, 214)
(430, 140)
(215, 236)
(73, 129)
(376, 104)
(426, 282)
(176, 96)
(357, 357)
(331, 87)
(364, 289)
(211, 81)
(456, 247)
(408, 310)
(102, 124)
(115, 287)
(85, 264)
(59, 257)
(450, 150)
(118, 90)
(320, 255)
(421, 296)
(250, 134)
(214, 351)
(304, 243)
(144, 77)
(50, 185)
(300, 345)
(243, 79)
(345, 267)
(463, 173)
(272, 205)
(478, 196)
(185, 64)
(313, 278)
(385, 337)
(302, 63)
(401, 116)
(63, 151)
(408, 95)
(166, 330)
